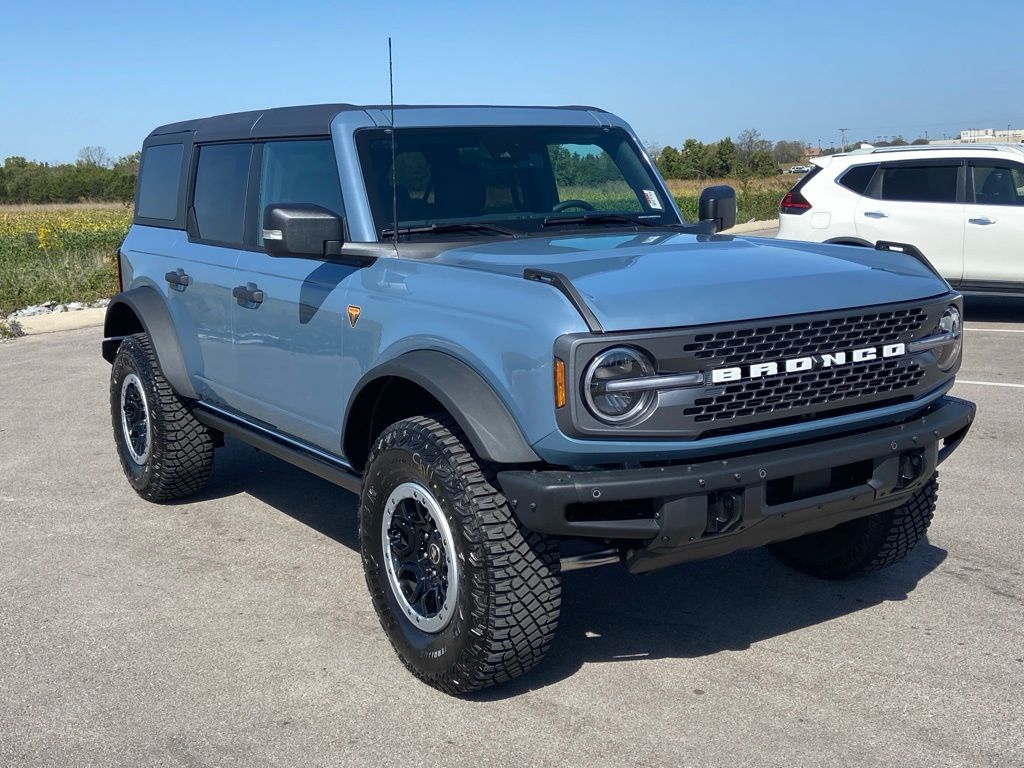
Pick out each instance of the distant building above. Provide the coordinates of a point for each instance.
(985, 136)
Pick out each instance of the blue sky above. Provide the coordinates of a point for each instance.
(75, 74)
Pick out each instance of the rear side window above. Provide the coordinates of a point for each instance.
(998, 184)
(159, 181)
(920, 183)
(857, 178)
(222, 178)
(299, 172)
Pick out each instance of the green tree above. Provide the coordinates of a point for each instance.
(669, 163)
(693, 160)
(762, 163)
(725, 158)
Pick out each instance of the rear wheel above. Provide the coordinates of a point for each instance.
(165, 452)
(863, 545)
(466, 596)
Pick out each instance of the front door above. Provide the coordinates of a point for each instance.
(288, 345)
(918, 203)
(994, 241)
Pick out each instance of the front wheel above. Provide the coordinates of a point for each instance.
(863, 545)
(467, 597)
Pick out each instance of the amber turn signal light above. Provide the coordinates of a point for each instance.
(559, 383)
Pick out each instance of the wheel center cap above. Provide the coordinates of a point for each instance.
(434, 554)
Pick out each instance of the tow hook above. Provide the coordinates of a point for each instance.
(725, 509)
(911, 467)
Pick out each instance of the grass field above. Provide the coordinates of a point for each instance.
(756, 199)
(59, 252)
(68, 253)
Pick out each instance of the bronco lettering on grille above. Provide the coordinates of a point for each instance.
(800, 364)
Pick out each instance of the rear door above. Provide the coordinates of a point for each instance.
(214, 235)
(994, 240)
(188, 263)
(288, 347)
(918, 202)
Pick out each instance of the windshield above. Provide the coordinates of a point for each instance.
(518, 178)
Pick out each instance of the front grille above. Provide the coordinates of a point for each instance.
(808, 337)
(757, 402)
(772, 395)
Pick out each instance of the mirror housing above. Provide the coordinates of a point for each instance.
(718, 205)
(302, 230)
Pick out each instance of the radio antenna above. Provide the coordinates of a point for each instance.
(394, 167)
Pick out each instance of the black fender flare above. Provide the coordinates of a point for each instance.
(146, 304)
(465, 394)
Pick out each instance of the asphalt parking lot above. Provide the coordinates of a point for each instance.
(236, 630)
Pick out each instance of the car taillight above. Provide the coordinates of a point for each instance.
(794, 202)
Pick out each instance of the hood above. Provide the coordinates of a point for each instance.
(640, 281)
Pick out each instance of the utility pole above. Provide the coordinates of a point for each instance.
(842, 137)
(819, 147)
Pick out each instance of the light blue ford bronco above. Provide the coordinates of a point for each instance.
(495, 326)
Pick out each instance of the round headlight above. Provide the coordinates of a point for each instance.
(947, 355)
(616, 405)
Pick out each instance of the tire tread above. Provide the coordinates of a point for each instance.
(523, 589)
(182, 447)
(869, 544)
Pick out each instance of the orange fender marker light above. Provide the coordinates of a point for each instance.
(559, 383)
(353, 314)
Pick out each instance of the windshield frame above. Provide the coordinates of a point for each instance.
(524, 223)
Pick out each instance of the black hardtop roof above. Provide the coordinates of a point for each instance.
(307, 120)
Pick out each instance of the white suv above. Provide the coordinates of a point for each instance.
(961, 205)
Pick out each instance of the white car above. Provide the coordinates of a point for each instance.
(960, 205)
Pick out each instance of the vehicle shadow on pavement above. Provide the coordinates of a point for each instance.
(608, 615)
(700, 609)
(993, 309)
(312, 501)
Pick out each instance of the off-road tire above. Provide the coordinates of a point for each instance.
(863, 545)
(181, 452)
(509, 594)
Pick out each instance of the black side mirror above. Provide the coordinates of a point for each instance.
(718, 205)
(302, 229)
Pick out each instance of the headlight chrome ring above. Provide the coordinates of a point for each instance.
(950, 323)
(617, 407)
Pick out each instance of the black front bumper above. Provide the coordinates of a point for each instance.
(672, 514)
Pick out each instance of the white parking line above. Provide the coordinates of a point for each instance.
(990, 383)
(994, 330)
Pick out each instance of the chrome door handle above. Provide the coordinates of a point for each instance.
(248, 295)
(982, 221)
(876, 214)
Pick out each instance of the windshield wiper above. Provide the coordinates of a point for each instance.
(599, 218)
(466, 226)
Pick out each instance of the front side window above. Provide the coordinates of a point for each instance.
(920, 183)
(517, 177)
(998, 184)
(159, 182)
(299, 172)
(222, 178)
